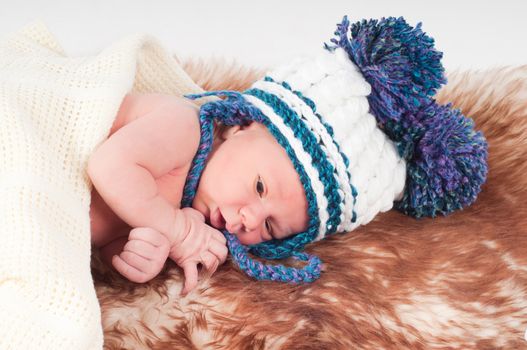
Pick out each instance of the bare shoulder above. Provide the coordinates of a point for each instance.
(137, 105)
(159, 132)
(143, 103)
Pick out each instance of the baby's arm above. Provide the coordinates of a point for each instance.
(124, 169)
(125, 166)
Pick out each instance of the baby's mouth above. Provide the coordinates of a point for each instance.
(217, 220)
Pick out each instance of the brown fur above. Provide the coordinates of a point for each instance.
(455, 282)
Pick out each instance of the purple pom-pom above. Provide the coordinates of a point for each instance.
(448, 160)
(398, 61)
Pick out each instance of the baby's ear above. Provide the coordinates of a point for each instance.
(232, 130)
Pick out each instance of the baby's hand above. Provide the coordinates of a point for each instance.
(143, 256)
(200, 244)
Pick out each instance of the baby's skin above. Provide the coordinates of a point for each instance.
(249, 187)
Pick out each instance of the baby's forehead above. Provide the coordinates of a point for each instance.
(284, 181)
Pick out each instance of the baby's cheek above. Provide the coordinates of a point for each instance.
(250, 238)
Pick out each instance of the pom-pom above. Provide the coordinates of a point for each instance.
(398, 61)
(446, 157)
(447, 160)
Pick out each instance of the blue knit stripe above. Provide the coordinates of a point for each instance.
(277, 249)
(296, 98)
(311, 146)
(306, 100)
(199, 161)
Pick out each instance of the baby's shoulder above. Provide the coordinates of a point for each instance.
(143, 103)
(161, 132)
(136, 105)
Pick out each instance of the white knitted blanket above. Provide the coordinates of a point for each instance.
(54, 111)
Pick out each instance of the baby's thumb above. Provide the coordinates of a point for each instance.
(194, 213)
(190, 270)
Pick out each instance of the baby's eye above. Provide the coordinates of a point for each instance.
(260, 190)
(259, 186)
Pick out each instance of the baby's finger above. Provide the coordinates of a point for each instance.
(148, 235)
(194, 213)
(141, 248)
(220, 250)
(218, 236)
(190, 269)
(129, 271)
(210, 261)
(137, 261)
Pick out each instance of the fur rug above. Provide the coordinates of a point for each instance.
(455, 282)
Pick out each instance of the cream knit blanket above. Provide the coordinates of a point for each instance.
(54, 111)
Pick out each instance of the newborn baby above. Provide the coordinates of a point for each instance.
(318, 146)
(249, 187)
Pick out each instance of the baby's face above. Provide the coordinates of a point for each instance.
(250, 187)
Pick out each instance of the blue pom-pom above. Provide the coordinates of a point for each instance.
(446, 157)
(398, 61)
(447, 160)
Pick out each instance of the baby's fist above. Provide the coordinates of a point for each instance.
(199, 244)
(143, 256)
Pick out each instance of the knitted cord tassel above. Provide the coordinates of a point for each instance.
(280, 273)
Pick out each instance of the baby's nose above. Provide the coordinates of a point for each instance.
(252, 217)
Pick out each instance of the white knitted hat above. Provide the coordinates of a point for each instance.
(364, 159)
(364, 133)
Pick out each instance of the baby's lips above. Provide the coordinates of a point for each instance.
(217, 220)
(222, 220)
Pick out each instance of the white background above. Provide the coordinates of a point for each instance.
(471, 34)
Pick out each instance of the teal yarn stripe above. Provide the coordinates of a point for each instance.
(311, 146)
(309, 102)
(279, 249)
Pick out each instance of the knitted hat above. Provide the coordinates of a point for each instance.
(364, 133)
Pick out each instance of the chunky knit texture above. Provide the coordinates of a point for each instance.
(54, 111)
(362, 130)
